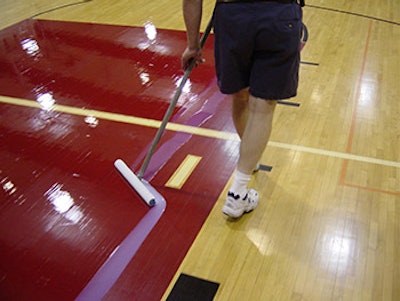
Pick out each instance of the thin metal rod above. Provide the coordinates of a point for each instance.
(174, 100)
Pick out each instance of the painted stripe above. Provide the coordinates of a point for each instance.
(84, 112)
(183, 172)
(358, 95)
(195, 130)
(309, 63)
(146, 122)
(198, 118)
(371, 189)
(288, 103)
(116, 263)
(264, 167)
(334, 154)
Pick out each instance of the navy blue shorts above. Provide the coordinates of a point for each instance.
(257, 45)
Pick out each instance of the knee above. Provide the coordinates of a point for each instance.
(241, 97)
(261, 105)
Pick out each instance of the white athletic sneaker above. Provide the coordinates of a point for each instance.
(235, 206)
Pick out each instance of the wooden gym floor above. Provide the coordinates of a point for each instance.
(84, 83)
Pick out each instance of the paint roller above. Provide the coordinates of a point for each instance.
(137, 182)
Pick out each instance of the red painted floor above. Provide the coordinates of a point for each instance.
(64, 208)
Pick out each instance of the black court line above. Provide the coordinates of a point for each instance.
(190, 288)
(288, 103)
(309, 63)
(263, 167)
(354, 14)
(58, 8)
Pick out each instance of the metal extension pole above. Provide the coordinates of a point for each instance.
(174, 100)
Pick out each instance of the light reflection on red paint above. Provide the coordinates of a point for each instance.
(8, 186)
(63, 203)
(30, 46)
(151, 31)
(46, 101)
(57, 178)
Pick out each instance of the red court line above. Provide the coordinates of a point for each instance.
(372, 189)
(345, 165)
(355, 108)
(359, 84)
(353, 124)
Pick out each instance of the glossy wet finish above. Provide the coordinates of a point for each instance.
(65, 209)
(327, 225)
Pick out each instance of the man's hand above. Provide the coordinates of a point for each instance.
(191, 54)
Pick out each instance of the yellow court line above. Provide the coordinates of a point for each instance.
(123, 118)
(191, 130)
(183, 172)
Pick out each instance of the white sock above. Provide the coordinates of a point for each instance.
(240, 181)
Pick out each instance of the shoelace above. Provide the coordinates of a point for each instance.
(236, 196)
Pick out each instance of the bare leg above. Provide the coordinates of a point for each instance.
(253, 121)
(256, 134)
(240, 109)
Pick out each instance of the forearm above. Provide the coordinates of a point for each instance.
(192, 13)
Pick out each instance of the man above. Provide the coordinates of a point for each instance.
(257, 55)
